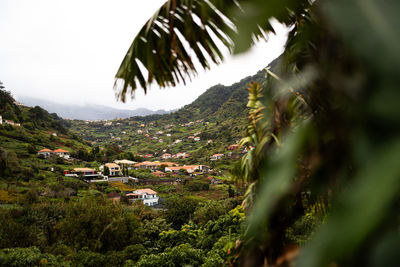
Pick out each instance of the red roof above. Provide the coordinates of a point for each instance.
(61, 151)
(45, 150)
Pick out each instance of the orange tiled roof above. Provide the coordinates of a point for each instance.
(46, 150)
(146, 190)
(61, 151)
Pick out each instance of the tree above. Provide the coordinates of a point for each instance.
(179, 210)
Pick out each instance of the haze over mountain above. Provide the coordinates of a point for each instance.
(87, 111)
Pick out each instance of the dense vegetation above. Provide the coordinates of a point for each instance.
(321, 168)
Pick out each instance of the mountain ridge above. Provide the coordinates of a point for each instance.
(87, 111)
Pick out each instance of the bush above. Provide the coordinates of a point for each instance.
(197, 185)
(28, 257)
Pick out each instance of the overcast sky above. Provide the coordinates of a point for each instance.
(68, 51)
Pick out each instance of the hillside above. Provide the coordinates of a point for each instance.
(218, 117)
(24, 131)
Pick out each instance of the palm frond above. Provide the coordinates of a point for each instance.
(165, 49)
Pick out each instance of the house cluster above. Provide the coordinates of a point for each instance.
(178, 155)
(195, 138)
(114, 172)
(231, 153)
(58, 152)
(190, 169)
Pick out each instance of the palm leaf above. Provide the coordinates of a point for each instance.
(184, 35)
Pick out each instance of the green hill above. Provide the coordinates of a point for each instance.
(26, 130)
(219, 115)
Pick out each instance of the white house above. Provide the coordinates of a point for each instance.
(1, 120)
(147, 196)
(166, 156)
(62, 153)
(45, 152)
(216, 156)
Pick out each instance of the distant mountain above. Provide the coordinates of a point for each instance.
(88, 111)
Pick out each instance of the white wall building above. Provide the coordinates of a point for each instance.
(147, 196)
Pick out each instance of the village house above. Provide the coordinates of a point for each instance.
(153, 165)
(163, 181)
(160, 141)
(147, 196)
(1, 120)
(148, 155)
(45, 152)
(114, 169)
(188, 168)
(159, 174)
(139, 131)
(233, 147)
(197, 138)
(214, 181)
(177, 141)
(10, 122)
(125, 163)
(191, 137)
(166, 156)
(181, 155)
(209, 141)
(216, 156)
(62, 153)
(86, 173)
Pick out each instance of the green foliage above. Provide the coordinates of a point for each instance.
(96, 224)
(179, 210)
(197, 185)
(177, 256)
(208, 211)
(28, 257)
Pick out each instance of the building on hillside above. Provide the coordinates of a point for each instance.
(147, 196)
(128, 164)
(159, 174)
(177, 141)
(166, 156)
(45, 152)
(86, 173)
(62, 153)
(233, 147)
(153, 165)
(10, 122)
(214, 181)
(114, 169)
(197, 138)
(148, 155)
(181, 155)
(188, 168)
(191, 137)
(216, 156)
(1, 120)
(209, 141)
